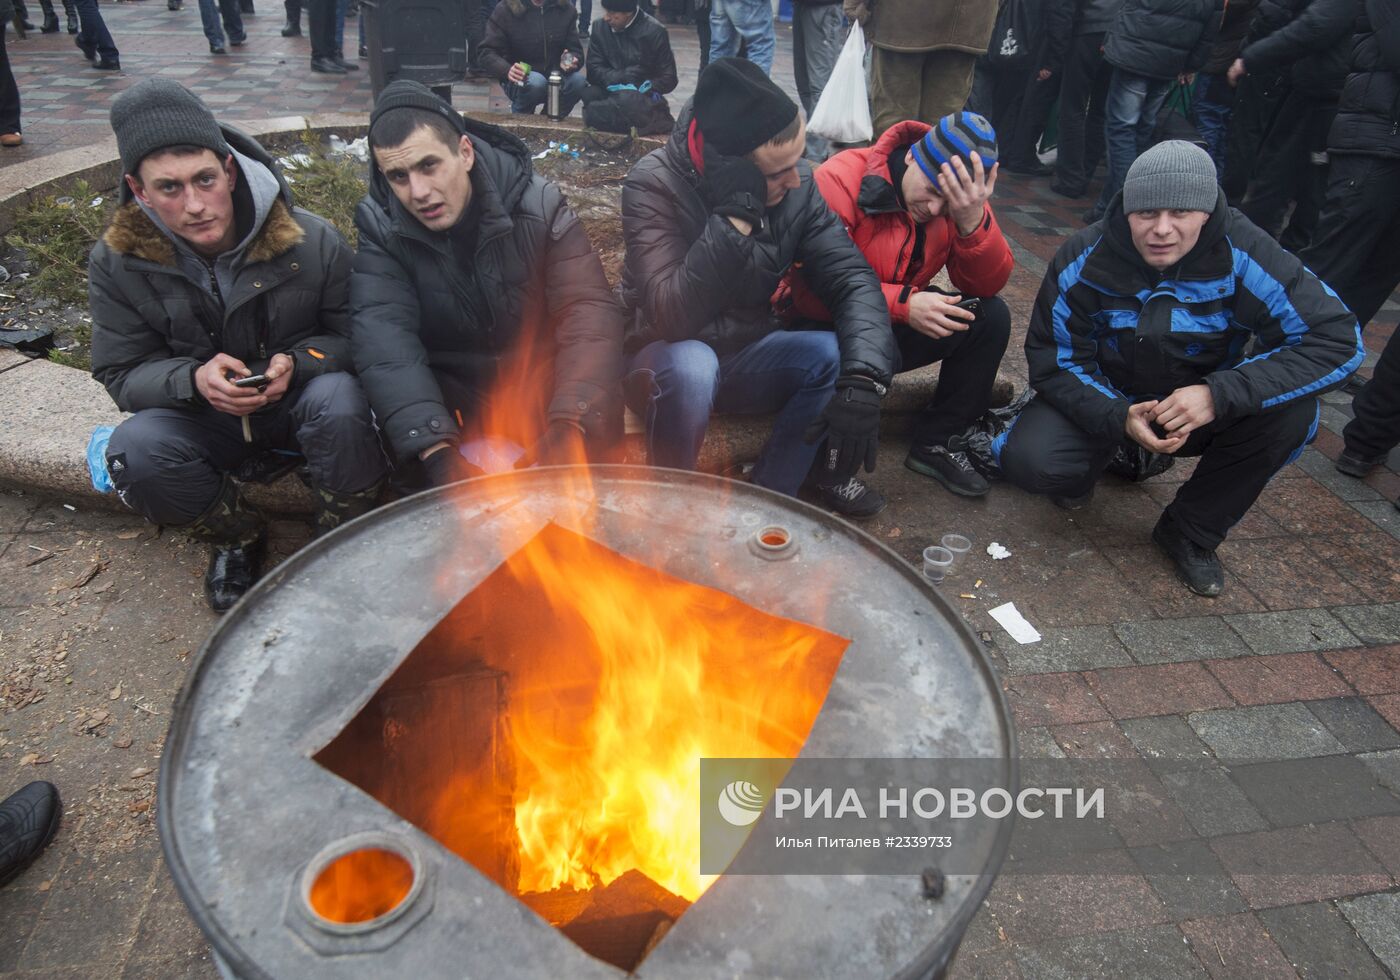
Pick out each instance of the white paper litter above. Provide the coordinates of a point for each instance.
(997, 551)
(1014, 623)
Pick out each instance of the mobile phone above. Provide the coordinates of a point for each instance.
(252, 381)
(972, 304)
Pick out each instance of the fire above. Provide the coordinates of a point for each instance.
(362, 885)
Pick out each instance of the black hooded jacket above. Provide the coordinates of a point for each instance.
(520, 30)
(641, 52)
(1368, 116)
(1163, 38)
(1307, 39)
(690, 275)
(1238, 313)
(418, 324)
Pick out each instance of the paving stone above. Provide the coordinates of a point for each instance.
(1067, 649)
(1288, 573)
(1298, 791)
(1320, 943)
(1167, 742)
(1151, 575)
(1052, 699)
(1371, 562)
(1037, 743)
(1275, 731)
(1279, 677)
(1292, 631)
(1374, 917)
(1381, 835)
(1236, 946)
(1355, 724)
(190, 966)
(1371, 670)
(1373, 625)
(1381, 513)
(1387, 706)
(1094, 740)
(1299, 864)
(1161, 641)
(1304, 507)
(988, 964)
(1158, 953)
(1385, 766)
(1188, 877)
(1162, 689)
(1036, 907)
(1325, 472)
(1212, 803)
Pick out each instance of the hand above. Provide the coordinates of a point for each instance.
(967, 193)
(1043, 75)
(1186, 77)
(516, 74)
(561, 444)
(568, 61)
(858, 10)
(212, 381)
(280, 370)
(850, 423)
(1139, 429)
(444, 465)
(1185, 410)
(735, 188)
(935, 315)
(1235, 72)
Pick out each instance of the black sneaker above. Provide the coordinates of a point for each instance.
(1197, 567)
(852, 499)
(28, 820)
(232, 572)
(949, 465)
(1357, 465)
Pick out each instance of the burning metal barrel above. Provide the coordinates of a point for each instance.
(461, 736)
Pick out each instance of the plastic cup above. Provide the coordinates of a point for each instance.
(937, 561)
(958, 544)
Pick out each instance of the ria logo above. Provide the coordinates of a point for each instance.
(741, 803)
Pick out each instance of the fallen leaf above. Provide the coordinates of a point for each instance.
(35, 759)
(44, 886)
(122, 741)
(141, 771)
(114, 693)
(88, 575)
(893, 532)
(129, 535)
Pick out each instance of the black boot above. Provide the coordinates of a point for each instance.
(28, 820)
(334, 509)
(237, 532)
(50, 25)
(293, 26)
(70, 15)
(1197, 567)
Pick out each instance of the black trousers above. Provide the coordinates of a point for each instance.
(1044, 452)
(968, 368)
(169, 463)
(1019, 143)
(996, 93)
(1375, 430)
(1083, 94)
(321, 26)
(1284, 172)
(1257, 102)
(9, 92)
(1356, 248)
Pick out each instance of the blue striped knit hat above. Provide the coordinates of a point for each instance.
(956, 135)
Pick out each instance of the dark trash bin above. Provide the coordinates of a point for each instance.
(420, 40)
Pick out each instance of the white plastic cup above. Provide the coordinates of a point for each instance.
(937, 561)
(958, 544)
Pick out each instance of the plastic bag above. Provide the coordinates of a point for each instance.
(978, 438)
(97, 459)
(843, 111)
(1135, 463)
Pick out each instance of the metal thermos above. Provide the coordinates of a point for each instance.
(553, 105)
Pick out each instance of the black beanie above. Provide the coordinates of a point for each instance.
(620, 6)
(404, 94)
(158, 112)
(738, 108)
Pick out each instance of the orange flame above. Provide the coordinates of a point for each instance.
(361, 885)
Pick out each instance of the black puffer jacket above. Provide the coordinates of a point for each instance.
(416, 316)
(518, 30)
(1233, 30)
(640, 53)
(1308, 39)
(1238, 314)
(690, 275)
(1368, 116)
(153, 326)
(1163, 38)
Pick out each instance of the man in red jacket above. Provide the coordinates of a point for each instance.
(915, 203)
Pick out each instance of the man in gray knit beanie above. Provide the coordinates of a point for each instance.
(1169, 194)
(158, 113)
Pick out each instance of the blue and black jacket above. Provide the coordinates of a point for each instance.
(1238, 313)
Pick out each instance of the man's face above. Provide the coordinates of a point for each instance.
(1163, 237)
(616, 19)
(921, 196)
(779, 165)
(431, 179)
(193, 195)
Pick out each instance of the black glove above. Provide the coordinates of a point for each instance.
(851, 425)
(447, 466)
(561, 444)
(735, 188)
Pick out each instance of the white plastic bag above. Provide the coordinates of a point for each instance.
(843, 111)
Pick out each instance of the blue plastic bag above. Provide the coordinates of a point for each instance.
(97, 459)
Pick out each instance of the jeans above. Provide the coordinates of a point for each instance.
(212, 11)
(1129, 118)
(816, 41)
(92, 31)
(585, 16)
(751, 20)
(525, 98)
(1211, 105)
(791, 372)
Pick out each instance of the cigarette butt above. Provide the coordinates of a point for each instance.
(458, 413)
(315, 353)
(977, 584)
(966, 595)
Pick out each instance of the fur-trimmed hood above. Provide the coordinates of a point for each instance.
(132, 233)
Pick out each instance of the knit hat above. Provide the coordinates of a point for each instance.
(957, 135)
(620, 6)
(158, 112)
(405, 94)
(738, 108)
(1173, 175)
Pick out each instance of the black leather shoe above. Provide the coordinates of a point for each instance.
(108, 64)
(217, 49)
(72, 23)
(232, 572)
(1036, 169)
(1357, 465)
(1064, 191)
(1196, 566)
(172, 4)
(292, 28)
(50, 25)
(949, 465)
(28, 821)
(347, 65)
(89, 53)
(326, 66)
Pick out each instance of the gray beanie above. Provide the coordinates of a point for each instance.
(156, 113)
(1172, 175)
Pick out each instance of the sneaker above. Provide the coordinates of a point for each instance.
(1357, 465)
(1197, 567)
(28, 821)
(852, 499)
(949, 465)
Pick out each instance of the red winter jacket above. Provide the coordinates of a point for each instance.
(857, 186)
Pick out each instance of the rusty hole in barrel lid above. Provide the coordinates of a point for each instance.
(360, 889)
(774, 537)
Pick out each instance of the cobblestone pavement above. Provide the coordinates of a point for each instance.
(1298, 662)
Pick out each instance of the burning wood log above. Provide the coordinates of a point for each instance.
(619, 923)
